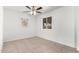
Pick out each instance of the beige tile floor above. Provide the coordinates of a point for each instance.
(35, 45)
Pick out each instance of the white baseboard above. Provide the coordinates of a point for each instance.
(56, 41)
(39, 37)
(19, 38)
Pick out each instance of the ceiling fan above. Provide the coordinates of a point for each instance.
(33, 9)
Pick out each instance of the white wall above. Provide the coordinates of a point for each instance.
(62, 24)
(77, 25)
(1, 30)
(12, 27)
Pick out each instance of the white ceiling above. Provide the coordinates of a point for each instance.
(23, 8)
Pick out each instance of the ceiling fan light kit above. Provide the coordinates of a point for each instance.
(33, 12)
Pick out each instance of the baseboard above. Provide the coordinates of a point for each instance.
(56, 42)
(19, 38)
(37, 37)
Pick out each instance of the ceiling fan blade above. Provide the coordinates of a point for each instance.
(39, 8)
(38, 12)
(26, 11)
(28, 7)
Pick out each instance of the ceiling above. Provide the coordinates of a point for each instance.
(23, 8)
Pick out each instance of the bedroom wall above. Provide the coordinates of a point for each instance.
(77, 26)
(62, 26)
(1, 28)
(12, 27)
